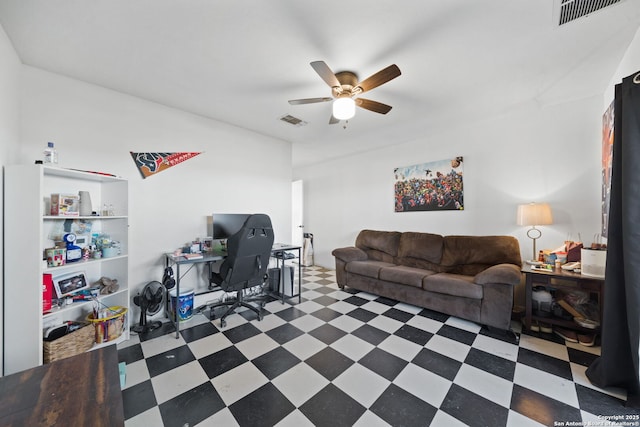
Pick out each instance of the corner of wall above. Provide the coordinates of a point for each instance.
(9, 141)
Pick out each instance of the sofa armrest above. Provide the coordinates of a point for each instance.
(349, 254)
(501, 273)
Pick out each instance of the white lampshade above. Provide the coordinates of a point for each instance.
(534, 214)
(344, 108)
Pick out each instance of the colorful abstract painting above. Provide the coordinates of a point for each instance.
(434, 186)
(607, 158)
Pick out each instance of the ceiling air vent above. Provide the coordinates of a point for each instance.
(293, 120)
(570, 10)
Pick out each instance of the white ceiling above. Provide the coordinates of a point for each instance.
(240, 61)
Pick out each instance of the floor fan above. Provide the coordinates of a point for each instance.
(150, 302)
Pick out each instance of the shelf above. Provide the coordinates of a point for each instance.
(78, 174)
(286, 258)
(84, 262)
(79, 304)
(120, 339)
(569, 324)
(88, 217)
(65, 309)
(27, 193)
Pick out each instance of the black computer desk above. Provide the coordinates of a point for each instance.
(218, 254)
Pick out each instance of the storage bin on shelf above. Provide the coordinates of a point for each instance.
(110, 327)
(68, 345)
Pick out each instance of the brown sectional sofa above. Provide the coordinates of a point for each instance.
(471, 277)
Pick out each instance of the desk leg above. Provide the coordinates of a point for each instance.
(282, 270)
(299, 276)
(209, 275)
(176, 320)
(528, 288)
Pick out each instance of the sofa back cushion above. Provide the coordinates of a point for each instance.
(379, 245)
(471, 254)
(420, 250)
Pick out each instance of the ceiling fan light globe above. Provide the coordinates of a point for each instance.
(344, 108)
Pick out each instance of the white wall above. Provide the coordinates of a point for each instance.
(531, 153)
(9, 105)
(95, 129)
(629, 64)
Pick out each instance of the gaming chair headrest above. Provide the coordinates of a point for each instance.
(258, 221)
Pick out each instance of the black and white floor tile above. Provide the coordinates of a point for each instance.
(349, 358)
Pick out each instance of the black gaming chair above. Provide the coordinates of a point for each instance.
(248, 253)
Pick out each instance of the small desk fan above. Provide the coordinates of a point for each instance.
(150, 302)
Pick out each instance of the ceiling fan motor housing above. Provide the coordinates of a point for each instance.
(348, 81)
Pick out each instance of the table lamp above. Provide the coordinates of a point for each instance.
(534, 214)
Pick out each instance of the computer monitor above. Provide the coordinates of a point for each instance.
(226, 225)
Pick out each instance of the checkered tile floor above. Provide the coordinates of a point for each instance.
(348, 358)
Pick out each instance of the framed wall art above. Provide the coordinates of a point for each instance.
(607, 159)
(433, 186)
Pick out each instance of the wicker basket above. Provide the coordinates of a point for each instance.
(69, 345)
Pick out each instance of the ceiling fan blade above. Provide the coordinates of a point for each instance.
(325, 72)
(333, 120)
(375, 106)
(379, 78)
(308, 100)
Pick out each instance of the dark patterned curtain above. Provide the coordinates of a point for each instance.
(618, 364)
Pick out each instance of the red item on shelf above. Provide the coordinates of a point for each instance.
(47, 292)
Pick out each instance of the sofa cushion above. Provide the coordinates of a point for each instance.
(367, 268)
(420, 250)
(452, 284)
(379, 245)
(469, 255)
(405, 275)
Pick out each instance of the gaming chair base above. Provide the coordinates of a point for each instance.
(236, 303)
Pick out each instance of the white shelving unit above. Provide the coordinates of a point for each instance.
(28, 231)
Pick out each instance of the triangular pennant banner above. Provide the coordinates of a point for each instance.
(151, 163)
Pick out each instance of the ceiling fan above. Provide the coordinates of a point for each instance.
(345, 89)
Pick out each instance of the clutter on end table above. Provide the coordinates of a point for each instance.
(573, 314)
